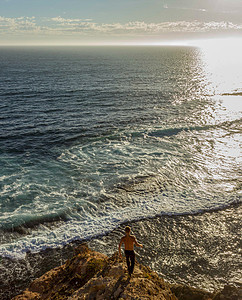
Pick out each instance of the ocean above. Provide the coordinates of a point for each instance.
(92, 138)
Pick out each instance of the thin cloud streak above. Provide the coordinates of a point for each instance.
(63, 25)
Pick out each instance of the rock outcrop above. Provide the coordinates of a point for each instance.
(92, 275)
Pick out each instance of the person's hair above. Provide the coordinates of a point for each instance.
(127, 229)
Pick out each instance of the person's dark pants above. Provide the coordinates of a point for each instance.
(130, 259)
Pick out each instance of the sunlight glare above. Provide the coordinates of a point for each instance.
(222, 64)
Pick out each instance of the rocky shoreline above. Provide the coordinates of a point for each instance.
(93, 275)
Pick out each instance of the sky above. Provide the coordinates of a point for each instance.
(91, 22)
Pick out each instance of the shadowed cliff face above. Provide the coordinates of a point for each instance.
(92, 275)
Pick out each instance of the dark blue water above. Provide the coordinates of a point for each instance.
(93, 137)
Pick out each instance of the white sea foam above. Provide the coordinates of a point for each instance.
(106, 220)
(146, 140)
(106, 193)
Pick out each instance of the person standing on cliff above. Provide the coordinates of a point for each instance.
(129, 242)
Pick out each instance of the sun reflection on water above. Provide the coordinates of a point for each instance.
(222, 64)
(222, 73)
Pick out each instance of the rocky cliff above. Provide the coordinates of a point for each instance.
(92, 275)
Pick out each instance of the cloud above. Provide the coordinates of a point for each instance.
(142, 27)
(66, 26)
(69, 21)
(21, 24)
